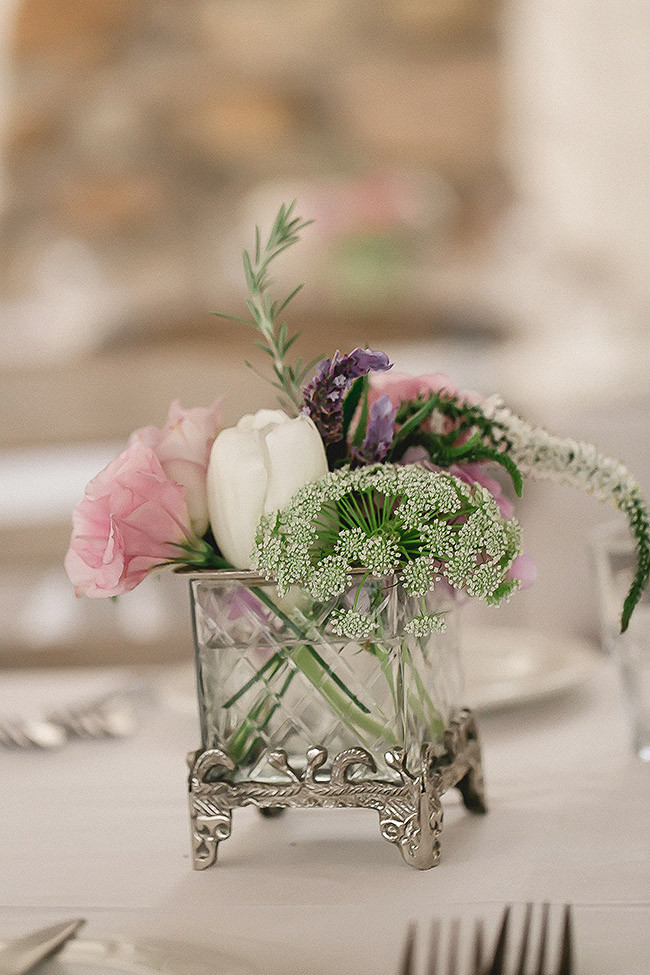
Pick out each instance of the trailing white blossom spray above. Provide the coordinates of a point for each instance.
(542, 455)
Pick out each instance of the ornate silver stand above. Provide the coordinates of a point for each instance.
(410, 812)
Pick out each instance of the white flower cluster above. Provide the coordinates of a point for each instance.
(422, 625)
(353, 625)
(418, 576)
(390, 520)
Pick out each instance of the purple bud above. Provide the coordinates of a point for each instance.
(379, 434)
(325, 393)
(363, 361)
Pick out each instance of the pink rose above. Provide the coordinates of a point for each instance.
(183, 448)
(399, 386)
(131, 518)
(524, 569)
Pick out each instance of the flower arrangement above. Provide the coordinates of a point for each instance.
(362, 470)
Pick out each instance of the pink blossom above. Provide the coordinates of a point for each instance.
(524, 569)
(131, 518)
(243, 602)
(183, 448)
(399, 386)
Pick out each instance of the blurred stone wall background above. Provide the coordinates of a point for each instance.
(136, 133)
(478, 172)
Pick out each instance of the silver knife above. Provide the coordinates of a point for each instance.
(21, 955)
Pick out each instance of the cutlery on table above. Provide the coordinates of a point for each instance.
(527, 959)
(21, 955)
(533, 961)
(109, 716)
(435, 949)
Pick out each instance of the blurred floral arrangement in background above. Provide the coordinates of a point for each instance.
(362, 469)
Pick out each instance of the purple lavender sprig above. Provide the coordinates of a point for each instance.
(379, 434)
(325, 393)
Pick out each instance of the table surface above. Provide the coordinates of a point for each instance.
(101, 829)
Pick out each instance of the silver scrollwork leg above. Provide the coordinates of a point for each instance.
(415, 827)
(210, 825)
(409, 802)
(472, 786)
(472, 789)
(420, 846)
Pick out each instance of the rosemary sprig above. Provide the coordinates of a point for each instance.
(265, 313)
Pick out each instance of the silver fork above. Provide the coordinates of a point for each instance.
(434, 953)
(538, 958)
(498, 961)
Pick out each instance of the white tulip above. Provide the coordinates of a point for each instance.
(255, 468)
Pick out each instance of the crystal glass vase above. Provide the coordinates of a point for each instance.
(289, 708)
(273, 674)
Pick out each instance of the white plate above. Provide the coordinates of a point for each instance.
(108, 957)
(508, 666)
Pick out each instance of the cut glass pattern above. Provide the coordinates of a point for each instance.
(272, 674)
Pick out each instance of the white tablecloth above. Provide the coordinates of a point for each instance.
(100, 829)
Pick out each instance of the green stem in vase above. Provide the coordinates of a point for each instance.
(352, 712)
(278, 656)
(355, 715)
(360, 723)
(240, 748)
(421, 703)
(312, 651)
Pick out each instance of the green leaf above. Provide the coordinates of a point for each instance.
(499, 457)
(350, 404)
(286, 301)
(234, 318)
(248, 271)
(418, 417)
(360, 431)
(638, 520)
(290, 341)
(252, 368)
(466, 447)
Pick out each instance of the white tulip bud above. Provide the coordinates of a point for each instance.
(255, 468)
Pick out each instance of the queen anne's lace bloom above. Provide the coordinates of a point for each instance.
(350, 543)
(438, 539)
(416, 525)
(417, 576)
(329, 577)
(423, 625)
(353, 625)
(380, 554)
